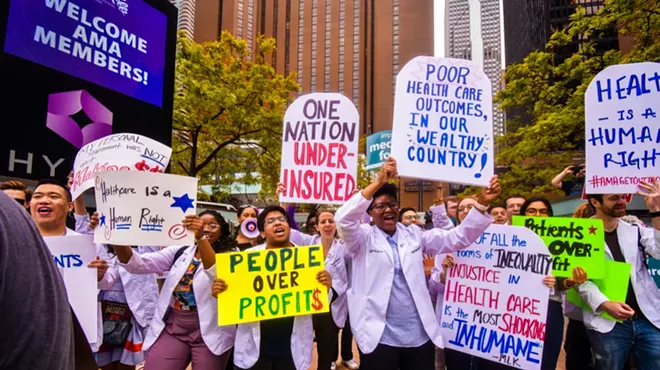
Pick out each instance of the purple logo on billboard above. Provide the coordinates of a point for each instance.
(62, 105)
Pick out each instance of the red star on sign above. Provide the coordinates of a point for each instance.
(592, 230)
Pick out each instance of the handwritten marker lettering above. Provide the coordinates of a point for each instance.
(482, 315)
(621, 134)
(442, 130)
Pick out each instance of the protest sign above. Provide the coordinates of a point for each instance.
(614, 285)
(110, 43)
(572, 242)
(320, 149)
(622, 105)
(118, 152)
(443, 121)
(379, 146)
(272, 283)
(144, 208)
(72, 254)
(487, 311)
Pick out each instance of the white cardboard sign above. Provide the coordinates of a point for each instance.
(118, 152)
(443, 121)
(495, 303)
(320, 149)
(622, 128)
(144, 208)
(72, 254)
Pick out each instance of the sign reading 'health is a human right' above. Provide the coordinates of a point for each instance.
(443, 121)
(622, 134)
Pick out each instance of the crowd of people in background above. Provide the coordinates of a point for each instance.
(380, 292)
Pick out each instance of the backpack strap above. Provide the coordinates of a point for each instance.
(178, 254)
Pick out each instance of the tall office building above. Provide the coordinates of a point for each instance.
(186, 21)
(475, 34)
(526, 28)
(354, 47)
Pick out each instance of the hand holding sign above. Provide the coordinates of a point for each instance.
(388, 172)
(195, 224)
(101, 267)
(651, 194)
(489, 193)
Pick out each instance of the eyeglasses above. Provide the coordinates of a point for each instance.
(534, 211)
(272, 220)
(380, 207)
(466, 208)
(20, 201)
(212, 227)
(411, 218)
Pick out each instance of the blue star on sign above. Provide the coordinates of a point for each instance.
(184, 202)
(102, 219)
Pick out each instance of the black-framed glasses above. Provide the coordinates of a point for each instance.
(380, 207)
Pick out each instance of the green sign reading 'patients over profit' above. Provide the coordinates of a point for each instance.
(572, 242)
(614, 286)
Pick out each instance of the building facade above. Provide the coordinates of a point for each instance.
(349, 46)
(474, 32)
(186, 20)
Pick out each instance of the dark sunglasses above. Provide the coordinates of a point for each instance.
(20, 201)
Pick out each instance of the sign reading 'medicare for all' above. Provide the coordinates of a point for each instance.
(572, 242)
(320, 149)
(495, 303)
(622, 128)
(118, 152)
(271, 283)
(443, 123)
(144, 208)
(379, 146)
(72, 254)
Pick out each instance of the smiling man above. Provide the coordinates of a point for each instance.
(389, 306)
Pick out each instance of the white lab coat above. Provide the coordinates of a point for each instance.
(646, 292)
(219, 339)
(248, 339)
(373, 267)
(335, 264)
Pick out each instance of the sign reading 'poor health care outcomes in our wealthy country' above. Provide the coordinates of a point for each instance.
(443, 121)
(379, 146)
(118, 152)
(622, 128)
(495, 302)
(320, 149)
(72, 254)
(572, 242)
(144, 208)
(271, 283)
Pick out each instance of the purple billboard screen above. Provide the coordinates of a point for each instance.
(118, 44)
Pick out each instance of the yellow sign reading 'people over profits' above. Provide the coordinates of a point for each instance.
(271, 283)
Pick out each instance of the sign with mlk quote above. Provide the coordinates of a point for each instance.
(320, 149)
(443, 121)
(495, 303)
(144, 208)
(270, 283)
(622, 128)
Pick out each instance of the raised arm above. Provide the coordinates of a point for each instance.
(148, 263)
(348, 217)
(290, 208)
(439, 217)
(299, 238)
(650, 238)
(556, 182)
(478, 220)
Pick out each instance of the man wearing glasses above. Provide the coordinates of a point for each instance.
(389, 307)
(18, 191)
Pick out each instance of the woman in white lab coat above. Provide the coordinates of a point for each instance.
(185, 325)
(283, 343)
(390, 310)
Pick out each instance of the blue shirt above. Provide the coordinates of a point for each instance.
(403, 326)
